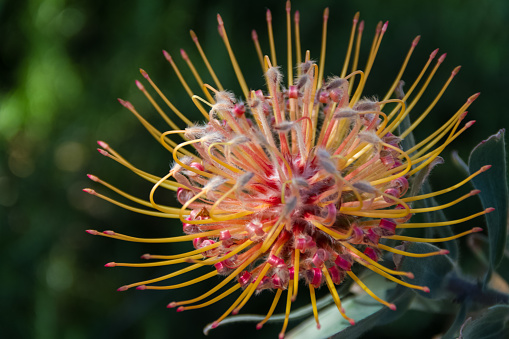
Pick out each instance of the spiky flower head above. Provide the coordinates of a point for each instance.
(294, 184)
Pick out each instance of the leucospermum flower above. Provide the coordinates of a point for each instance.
(286, 188)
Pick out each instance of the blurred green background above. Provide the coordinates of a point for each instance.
(63, 63)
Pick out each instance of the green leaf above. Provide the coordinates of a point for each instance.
(493, 324)
(357, 307)
(430, 271)
(493, 186)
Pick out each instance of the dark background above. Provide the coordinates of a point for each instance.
(63, 63)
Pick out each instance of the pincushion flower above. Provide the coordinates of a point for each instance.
(286, 188)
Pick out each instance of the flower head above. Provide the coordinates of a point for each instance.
(294, 184)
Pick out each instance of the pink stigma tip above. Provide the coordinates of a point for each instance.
(259, 326)
(281, 335)
(268, 15)
(356, 17)
(351, 321)
(485, 168)
(214, 324)
(456, 70)
(254, 36)
(384, 27)
(103, 144)
(141, 287)
(326, 13)
(433, 54)
(442, 58)
(126, 104)
(473, 97)
(476, 229)
(297, 16)
(103, 152)
(489, 209)
(410, 275)
(193, 36)
(110, 264)
(474, 192)
(93, 232)
(426, 289)
(145, 256)
(392, 307)
(416, 40)
(122, 289)
(220, 20)
(181, 309)
(145, 75)
(318, 326)
(234, 312)
(288, 6)
(92, 177)
(139, 85)
(444, 252)
(109, 232)
(172, 305)
(89, 190)
(184, 54)
(470, 123)
(167, 56)
(361, 26)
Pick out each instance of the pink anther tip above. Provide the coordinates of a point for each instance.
(268, 15)
(126, 104)
(145, 75)
(297, 16)
(392, 307)
(139, 85)
(474, 192)
(141, 287)
(433, 54)
(110, 264)
(410, 275)
(318, 326)
(281, 335)
(172, 305)
(444, 252)
(145, 256)
(254, 36)
(416, 40)
(93, 232)
(220, 20)
(122, 288)
(455, 70)
(351, 321)
(193, 35)
(92, 177)
(259, 326)
(167, 55)
(361, 26)
(356, 17)
(183, 54)
(103, 144)
(181, 309)
(426, 289)
(109, 232)
(326, 13)
(288, 6)
(485, 168)
(442, 58)
(89, 190)
(489, 209)
(476, 229)
(214, 324)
